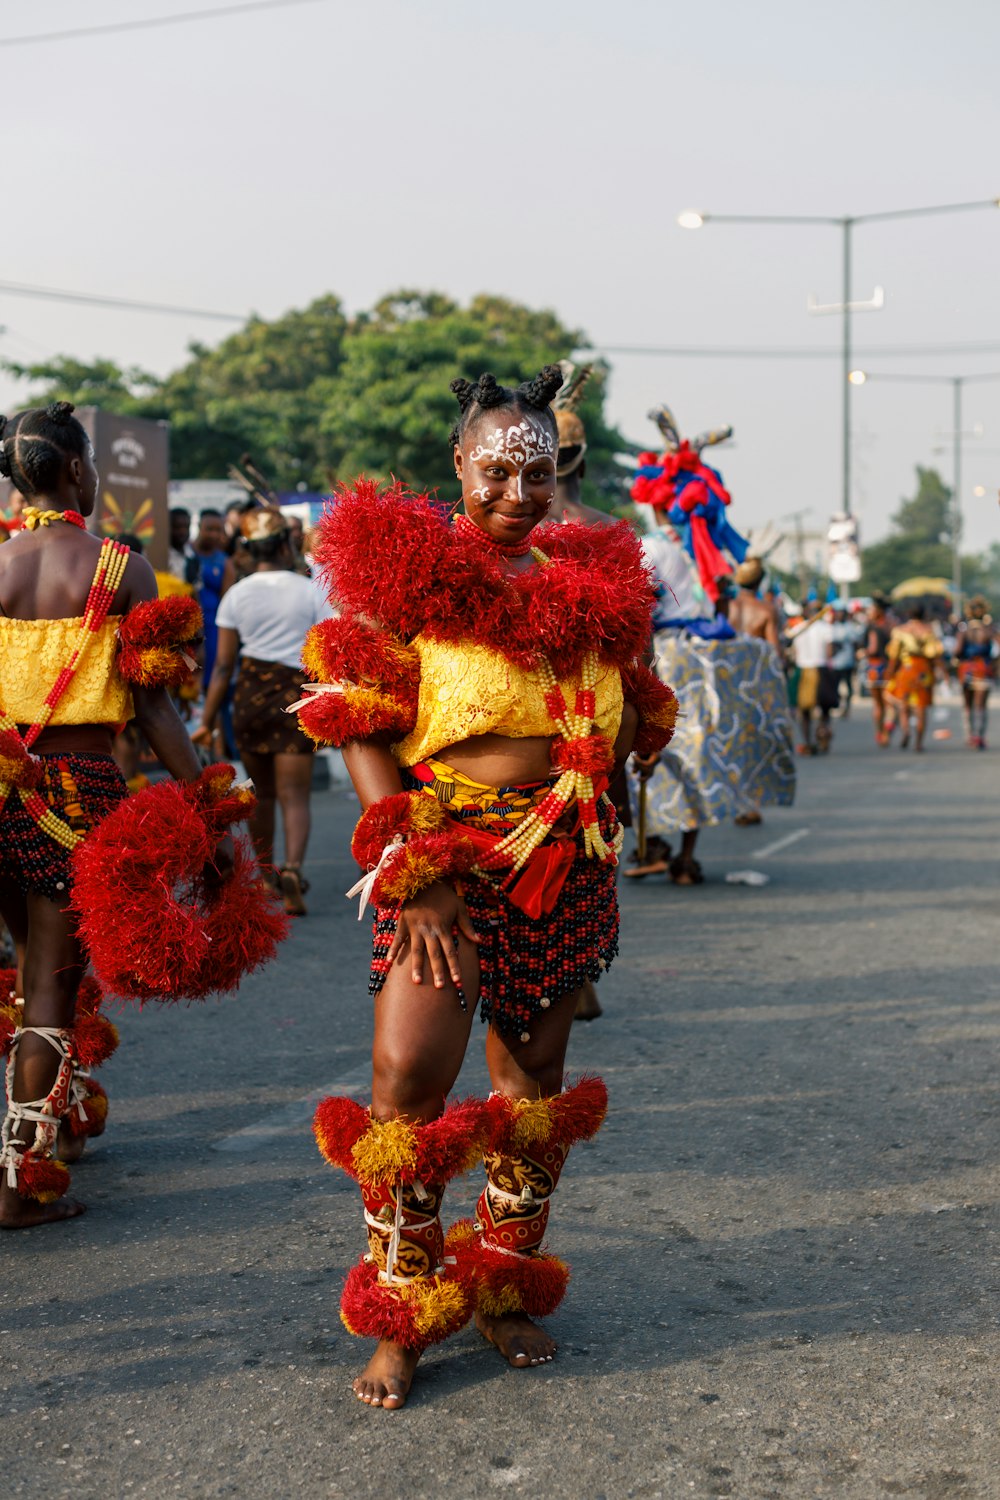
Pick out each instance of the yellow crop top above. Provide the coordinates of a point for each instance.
(467, 689)
(906, 646)
(34, 652)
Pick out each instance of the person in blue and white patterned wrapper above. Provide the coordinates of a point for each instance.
(732, 750)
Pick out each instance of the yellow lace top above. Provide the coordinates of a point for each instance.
(34, 652)
(905, 646)
(467, 689)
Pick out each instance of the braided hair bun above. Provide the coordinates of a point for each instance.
(487, 394)
(35, 444)
(539, 392)
(59, 412)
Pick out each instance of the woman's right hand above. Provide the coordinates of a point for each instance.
(427, 926)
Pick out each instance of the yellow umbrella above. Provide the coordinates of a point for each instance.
(912, 587)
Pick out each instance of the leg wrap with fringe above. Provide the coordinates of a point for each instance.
(30, 1165)
(406, 1288)
(528, 1145)
(94, 1040)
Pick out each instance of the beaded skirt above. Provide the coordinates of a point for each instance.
(525, 965)
(81, 789)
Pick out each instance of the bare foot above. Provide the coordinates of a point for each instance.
(588, 1007)
(25, 1213)
(387, 1377)
(519, 1340)
(69, 1147)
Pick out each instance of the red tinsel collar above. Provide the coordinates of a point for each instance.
(390, 556)
(512, 549)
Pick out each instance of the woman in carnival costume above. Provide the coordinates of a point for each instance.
(976, 651)
(483, 681)
(877, 632)
(915, 656)
(733, 748)
(83, 645)
(265, 616)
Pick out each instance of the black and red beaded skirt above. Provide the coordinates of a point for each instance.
(80, 789)
(525, 964)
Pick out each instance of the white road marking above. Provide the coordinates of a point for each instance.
(290, 1118)
(790, 838)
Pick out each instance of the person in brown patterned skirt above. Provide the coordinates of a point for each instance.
(263, 620)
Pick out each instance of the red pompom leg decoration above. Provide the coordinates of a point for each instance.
(414, 1314)
(405, 1289)
(529, 1142)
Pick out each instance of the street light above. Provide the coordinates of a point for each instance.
(697, 219)
(957, 383)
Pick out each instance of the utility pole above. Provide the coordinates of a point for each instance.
(956, 496)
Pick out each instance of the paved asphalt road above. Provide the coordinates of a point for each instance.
(786, 1240)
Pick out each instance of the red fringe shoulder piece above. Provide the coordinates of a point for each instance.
(377, 679)
(390, 555)
(657, 707)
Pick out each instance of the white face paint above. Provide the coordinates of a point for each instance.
(521, 444)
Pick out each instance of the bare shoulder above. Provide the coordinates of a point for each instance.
(139, 583)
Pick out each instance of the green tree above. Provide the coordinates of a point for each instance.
(101, 383)
(263, 390)
(392, 411)
(919, 544)
(315, 397)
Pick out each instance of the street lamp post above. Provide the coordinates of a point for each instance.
(958, 384)
(693, 219)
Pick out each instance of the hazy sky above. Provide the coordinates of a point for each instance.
(541, 151)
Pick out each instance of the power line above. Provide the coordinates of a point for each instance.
(676, 351)
(184, 16)
(95, 299)
(710, 351)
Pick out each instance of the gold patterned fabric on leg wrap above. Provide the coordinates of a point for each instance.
(529, 1142)
(405, 1239)
(406, 1289)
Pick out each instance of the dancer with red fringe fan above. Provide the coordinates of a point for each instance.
(83, 647)
(484, 682)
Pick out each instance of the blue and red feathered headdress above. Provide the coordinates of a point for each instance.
(695, 499)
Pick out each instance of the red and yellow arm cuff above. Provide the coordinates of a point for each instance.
(351, 650)
(656, 706)
(410, 842)
(156, 640)
(367, 683)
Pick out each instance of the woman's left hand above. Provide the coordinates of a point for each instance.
(202, 736)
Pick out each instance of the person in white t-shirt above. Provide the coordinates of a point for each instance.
(263, 619)
(812, 647)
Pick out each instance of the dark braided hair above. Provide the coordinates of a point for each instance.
(36, 443)
(486, 394)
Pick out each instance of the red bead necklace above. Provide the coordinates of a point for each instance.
(33, 516)
(506, 549)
